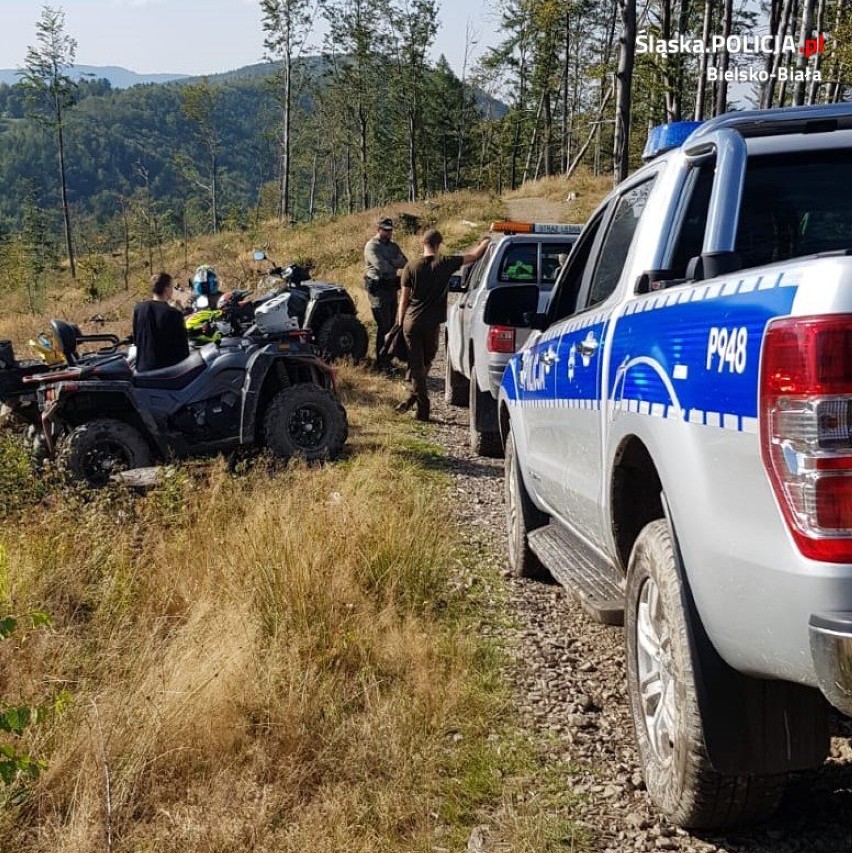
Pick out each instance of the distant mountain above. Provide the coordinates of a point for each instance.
(318, 65)
(119, 78)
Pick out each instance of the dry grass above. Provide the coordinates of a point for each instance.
(256, 663)
(335, 248)
(281, 660)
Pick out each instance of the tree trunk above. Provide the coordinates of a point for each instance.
(623, 88)
(585, 146)
(533, 140)
(66, 214)
(519, 111)
(285, 160)
(362, 129)
(813, 91)
(700, 93)
(412, 153)
(802, 59)
(566, 67)
(666, 61)
(313, 193)
(349, 200)
(214, 191)
(722, 84)
(333, 193)
(768, 92)
(548, 135)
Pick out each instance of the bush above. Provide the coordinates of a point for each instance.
(20, 485)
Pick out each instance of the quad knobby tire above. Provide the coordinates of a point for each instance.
(663, 692)
(305, 421)
(455, 386)
(342, 336)
(94, 452)
(482, 443)
(522, 517)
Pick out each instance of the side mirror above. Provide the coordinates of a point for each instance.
(259, 255)
(457, 285)
(513, 306)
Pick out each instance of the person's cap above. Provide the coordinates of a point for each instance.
(386, 224)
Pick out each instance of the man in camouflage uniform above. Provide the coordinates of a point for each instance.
(383, 259)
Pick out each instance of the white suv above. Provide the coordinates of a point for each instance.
(522, 252)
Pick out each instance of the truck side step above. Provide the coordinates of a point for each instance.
(577, 567)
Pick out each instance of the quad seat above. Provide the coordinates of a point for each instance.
(172, 378)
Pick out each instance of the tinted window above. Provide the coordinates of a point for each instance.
(519, 263)
(616, 244)
(553, 256)
(794, 205)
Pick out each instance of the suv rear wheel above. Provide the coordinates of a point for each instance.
(522, 517)
(483, 443)
(663, 689)
(456, 389)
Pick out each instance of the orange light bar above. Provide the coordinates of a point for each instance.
(508, 227)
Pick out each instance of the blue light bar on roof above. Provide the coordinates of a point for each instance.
(664, 137)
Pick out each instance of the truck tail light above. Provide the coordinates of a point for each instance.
(806, 430)
(501, 339)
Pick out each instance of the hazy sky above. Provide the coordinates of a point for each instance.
(192, 36)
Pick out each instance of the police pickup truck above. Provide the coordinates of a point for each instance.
(678, 442)
(476, 354)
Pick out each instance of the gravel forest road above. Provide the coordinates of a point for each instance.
(569, 683)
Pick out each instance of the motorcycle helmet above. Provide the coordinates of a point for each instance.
(205, 282)
(47, 348)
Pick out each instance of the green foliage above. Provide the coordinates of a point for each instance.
(20, 487)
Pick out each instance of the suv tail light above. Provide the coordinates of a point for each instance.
(806, 430)
(501, 339)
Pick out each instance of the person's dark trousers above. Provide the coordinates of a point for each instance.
(422, 348)
(383, 302)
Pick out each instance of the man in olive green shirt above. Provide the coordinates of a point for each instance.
(383, 259)
(423, 308)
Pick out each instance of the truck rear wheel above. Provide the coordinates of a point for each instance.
(663, 689)
(522, 517)
(483, 443)
(305, 421)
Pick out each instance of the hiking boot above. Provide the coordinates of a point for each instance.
(405, 405)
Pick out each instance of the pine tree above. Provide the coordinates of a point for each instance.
(51, 92)
(286, 24)
(199, 106)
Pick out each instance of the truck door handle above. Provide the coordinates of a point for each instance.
(588, 347)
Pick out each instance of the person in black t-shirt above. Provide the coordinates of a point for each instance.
(158, 329)
(422, 309)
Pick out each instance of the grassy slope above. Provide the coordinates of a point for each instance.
(281, 660)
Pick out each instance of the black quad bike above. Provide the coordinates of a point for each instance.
(19, 399)
(100, 417)
(326, 309)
